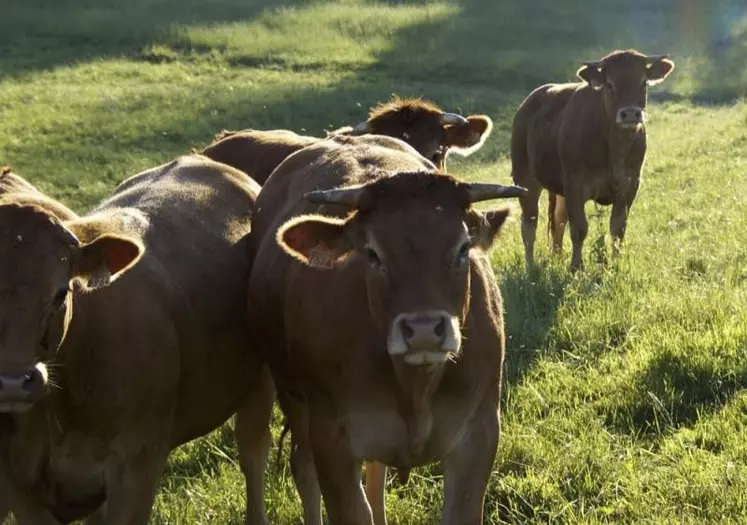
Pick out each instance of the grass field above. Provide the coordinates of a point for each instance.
(626, 386)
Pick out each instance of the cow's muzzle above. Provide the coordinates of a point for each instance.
(19, 391)
(425, 337)
(630, 117)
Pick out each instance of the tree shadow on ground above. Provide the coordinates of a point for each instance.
(43, 34)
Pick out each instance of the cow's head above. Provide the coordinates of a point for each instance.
(415, 234)
(623, 78)
(42, 260)
(427, 128)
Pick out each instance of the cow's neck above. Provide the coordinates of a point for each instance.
(621, 142)
(27, 438)
(416, 387)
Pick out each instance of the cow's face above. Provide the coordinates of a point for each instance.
(623, 78)
(414, 234)
(424, 126)
(40, 262)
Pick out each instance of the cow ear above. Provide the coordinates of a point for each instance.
(658, 71)
(484, 227)
(465, 139)
(592, 75)
(316, 240)
(105, 259)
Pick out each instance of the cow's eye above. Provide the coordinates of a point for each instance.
(373, 258)
(60, 297)
(610, 85)
(463, 255)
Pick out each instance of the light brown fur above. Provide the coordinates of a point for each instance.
(153, 357)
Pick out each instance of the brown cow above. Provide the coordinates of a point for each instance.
(122, 336)
(376, 306)
(420, 123)
(584, 141)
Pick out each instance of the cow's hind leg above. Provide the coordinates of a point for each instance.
(253, 439)
(375, 490)
(529, 214)
(579, 229)
(557, 217)
(468, 467)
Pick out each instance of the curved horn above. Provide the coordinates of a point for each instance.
(347, 196)
(71, 238)
(362, 128)
(650, 59)
(482, 192)
(594, 63)
(452, 119)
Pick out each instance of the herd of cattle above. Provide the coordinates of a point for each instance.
(346, 277)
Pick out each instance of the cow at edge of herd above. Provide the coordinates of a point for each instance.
(347, 278)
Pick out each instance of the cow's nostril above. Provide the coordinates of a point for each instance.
(440, 328)
(33, 381)
(407, 331)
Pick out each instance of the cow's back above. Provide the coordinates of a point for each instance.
(10, 183)
(256, 152)
(536, 132)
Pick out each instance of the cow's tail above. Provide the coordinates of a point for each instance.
(552, 200)
(283, 433)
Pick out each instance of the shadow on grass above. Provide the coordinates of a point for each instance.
(531, 302)
(43, 34)
(674, 390)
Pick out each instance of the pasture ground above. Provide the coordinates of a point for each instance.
(625, 394)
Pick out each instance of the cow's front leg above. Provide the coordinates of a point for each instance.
(14, 499)
(579, 228)
(302, 458)
(529, 215)
(132, 482)
(338, 470)
(557, 219)
(619, 216)
(468, 467)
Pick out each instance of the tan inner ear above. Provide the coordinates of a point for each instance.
(466, 139)
(315, 240)
(106, 258)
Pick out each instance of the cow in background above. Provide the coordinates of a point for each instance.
(584, 141)
(422, 124)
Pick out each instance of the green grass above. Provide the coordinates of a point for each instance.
(625, 397)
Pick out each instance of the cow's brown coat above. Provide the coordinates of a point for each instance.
(150, 360)
(324, 328)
